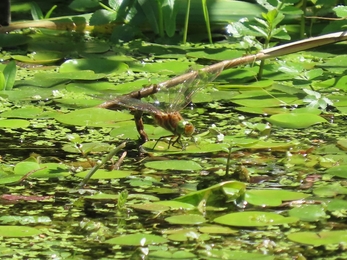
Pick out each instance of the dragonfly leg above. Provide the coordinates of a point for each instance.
(162, 137)
(178, 140)
(139, 126)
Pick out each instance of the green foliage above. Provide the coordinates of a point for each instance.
(8, 76)
(37, 14)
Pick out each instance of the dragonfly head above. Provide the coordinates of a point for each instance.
(186, 128)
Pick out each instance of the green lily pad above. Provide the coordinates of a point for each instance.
(337, 204)
(44, 170)
(41, 57)
(19, 231)
(67, 76)
(187, 235)
(93, 117)
(96, 65)
(236, 255)
(272, 197)
(308, 212)
(179, 165)
(186, 219)
(153, 207)
(216, 194)
(25, 112)
(339, 171)
(103, 174)
(161, 254)
(176, 205)
(254, 219)
(14, 123)
(296, 120)
(329, 191)
(215, 229)
(137, 240)
(319, 238)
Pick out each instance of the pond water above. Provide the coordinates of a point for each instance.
(262, 177)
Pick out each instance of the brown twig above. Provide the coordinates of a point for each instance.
(262, 55)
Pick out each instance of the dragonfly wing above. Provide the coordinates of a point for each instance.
(178, 97)
(137, 104)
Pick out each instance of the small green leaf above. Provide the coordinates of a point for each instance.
(254, 219)
(14, 123)
(137, 240)
(186, 219)
(180, 165)
(10, 75)
(18, 231)
(296, 120)
(308, 212)
(319, 238)
(36, 12)
(103, 174)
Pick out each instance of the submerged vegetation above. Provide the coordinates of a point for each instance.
(262, 177)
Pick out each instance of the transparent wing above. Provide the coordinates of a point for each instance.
(137, 104)
(178, 97)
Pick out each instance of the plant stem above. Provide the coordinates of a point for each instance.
(186, 21)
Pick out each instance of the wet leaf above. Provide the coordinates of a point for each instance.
(95, 65)
(14, 123)
(215, 229)
(272, 197)
(186, 219)
(319, 238)
(308, 212)
(254, 219)
(137, 240)
(18, 231)
(103, 174)
(93, 117)
(40, 57)
(179, 165)
(329, 191)
(235, 255)
(296, 120)
(25, 112)
(339, 171)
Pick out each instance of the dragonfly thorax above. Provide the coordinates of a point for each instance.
(174, 123)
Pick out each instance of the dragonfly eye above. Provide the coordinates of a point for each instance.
(189, 129)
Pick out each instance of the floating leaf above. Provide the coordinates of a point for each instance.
(188, 235)
(186, 219)
(308, 212)
(339, 171)
(103, 174)
(329, 191)
(216, 194)
(254, 219)
(14, 123)
(42, 57)
(296, 120)
(24, 112)
(272, 197)
(235, 255)
(171, 255)
(337, 204)
(319, 238)
(137, 240)
(18, 231)
(96, 65)
(179, 165)
(215, 229)
(93, 117)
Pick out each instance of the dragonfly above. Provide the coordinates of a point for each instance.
(168, 102)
